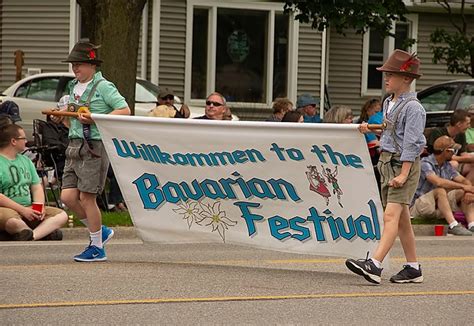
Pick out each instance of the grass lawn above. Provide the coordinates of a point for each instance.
(427, 220)
(111, 219)
(123, 219)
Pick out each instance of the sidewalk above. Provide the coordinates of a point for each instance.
(123, 232)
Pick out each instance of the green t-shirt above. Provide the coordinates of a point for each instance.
(470, 135)
(16, 178)
(105, 99)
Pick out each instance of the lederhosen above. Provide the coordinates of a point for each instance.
(389, 164)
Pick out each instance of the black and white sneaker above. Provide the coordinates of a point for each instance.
(408, 275)
(366, 268)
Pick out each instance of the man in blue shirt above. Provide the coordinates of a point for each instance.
(309, 107)
(442, 189)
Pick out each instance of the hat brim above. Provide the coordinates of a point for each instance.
(93, 62)
(398, 72)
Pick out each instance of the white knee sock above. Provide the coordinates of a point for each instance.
(376, 262)
(415, 265)
(96, 238)
(470, 225)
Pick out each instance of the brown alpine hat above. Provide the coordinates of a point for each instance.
(401, 62)
(84, 52)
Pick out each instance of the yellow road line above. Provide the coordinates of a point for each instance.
(246, 262)
(234, 298)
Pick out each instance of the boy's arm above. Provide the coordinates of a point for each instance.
(37, 193)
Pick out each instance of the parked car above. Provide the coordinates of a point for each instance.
(442, 99)
(42, 91)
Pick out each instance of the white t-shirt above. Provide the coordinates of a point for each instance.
(79, 89)
(390, 106)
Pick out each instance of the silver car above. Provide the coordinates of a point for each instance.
(40, 92)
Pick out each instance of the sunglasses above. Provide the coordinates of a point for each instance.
(452, 150)
(167, 97)
(216, 104)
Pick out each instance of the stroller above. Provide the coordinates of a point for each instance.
(50, 143)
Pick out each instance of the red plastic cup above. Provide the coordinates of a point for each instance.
(37, 207)
(439, 230)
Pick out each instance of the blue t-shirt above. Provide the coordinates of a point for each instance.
(312, 119)
(376, 118)
(429, 165)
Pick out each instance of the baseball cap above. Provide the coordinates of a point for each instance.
(165, 91)
(305, 100)
(10, 109)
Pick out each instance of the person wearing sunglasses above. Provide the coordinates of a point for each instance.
(20, 186)
(308, 106)
(166, 97)
(216, 108)
(459, 122)
(442, 190)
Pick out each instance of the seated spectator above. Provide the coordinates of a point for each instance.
(372, 114)
(339, 114)
(292, 116)
(166, 100)
(216, 107)
(470, 130)
(442, 189)
(20, 186)
(308, 106)
(280, 107)
(458, 124)
(369, 109)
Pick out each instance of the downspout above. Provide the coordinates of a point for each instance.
(323, 73)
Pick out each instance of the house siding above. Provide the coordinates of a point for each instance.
(40, 29)
(309, 61)
(173, 45)
(345, 70)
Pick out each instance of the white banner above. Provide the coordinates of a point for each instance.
(303, 188)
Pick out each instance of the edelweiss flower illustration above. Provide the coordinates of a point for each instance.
(189, 210)
(214, 216)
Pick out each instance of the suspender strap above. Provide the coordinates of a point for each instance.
(86, 129)
(401, 107)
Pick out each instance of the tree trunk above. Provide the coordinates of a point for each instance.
(115, 25)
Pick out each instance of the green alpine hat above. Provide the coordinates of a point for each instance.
(84, 52)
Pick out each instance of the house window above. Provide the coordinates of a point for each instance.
(199, 70)
(280, 56)
(241, 53)
(374, 77)
(373, 56)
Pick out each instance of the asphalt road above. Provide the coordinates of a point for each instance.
(228, 285)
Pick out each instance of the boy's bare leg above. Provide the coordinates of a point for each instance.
(91, 210)
(70, 197)
(407, 236)
(391, 219)
(49, 225)
(15, 225)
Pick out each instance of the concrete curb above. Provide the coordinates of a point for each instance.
(124, 232)
(120, 232)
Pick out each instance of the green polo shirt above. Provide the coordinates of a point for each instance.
(105, 99)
